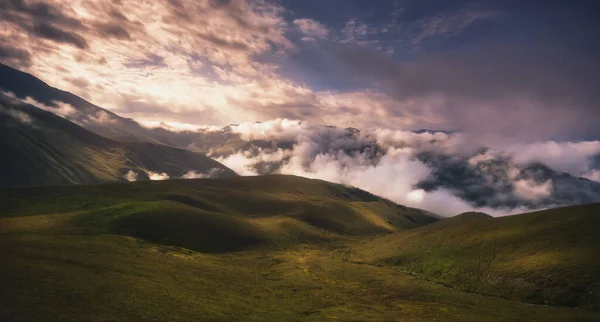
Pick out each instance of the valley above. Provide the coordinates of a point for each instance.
(269, 248)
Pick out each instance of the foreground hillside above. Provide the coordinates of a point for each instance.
(274, 248)
(218, 215)
(41, 148)
(548, 257)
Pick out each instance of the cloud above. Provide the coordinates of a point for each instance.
(222, 62)
(427, 169)
(530, 190)
(446, 24)
(212, 173)
(56, 34)
(312, 30)
(466, 91)
(67, 111)
(100, 117)
(51, 32)
(280, 129)
(240, 162)
(356, 33)
(62, 109)
(593, 175)
(178, 127)
(115, 30)
(15, 55)
(130, 176)
(19, 116)
(571, 157)
(157, 176)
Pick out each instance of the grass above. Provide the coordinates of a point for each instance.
(116, 278)
(273, 248)
(333, 207)
(547, 257)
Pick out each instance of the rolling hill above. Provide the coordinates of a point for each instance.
(221, 210)
(239, 248)
(548, 257)
(41, 148)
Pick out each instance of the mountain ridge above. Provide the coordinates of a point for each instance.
(43, 148)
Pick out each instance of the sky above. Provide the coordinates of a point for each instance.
(523, 70)
(507, 85)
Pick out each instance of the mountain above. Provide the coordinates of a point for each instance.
(41, 148)
(274, 248)
(497, 182)
(106, 123)
(90, 116)
(548, 257)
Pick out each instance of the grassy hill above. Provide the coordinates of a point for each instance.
(41, 148)
(272, 248)
(218, 215)
(548, 257)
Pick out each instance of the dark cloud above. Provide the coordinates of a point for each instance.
(39, 11)
(492, 183)
(118, 15)
(150, 60)
(45, 21)
(178, 11)
(495, 86)
(79, 82)
(292, 105)
(51, 32)
(16, 56)
(482, 66)
(237, 11)
(227, 44)
(114, 29)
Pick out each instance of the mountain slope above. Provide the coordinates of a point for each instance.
(42, 148)
(549, 256)
(90, 116)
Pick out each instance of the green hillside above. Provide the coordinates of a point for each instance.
(197, 213)
(272, 248)
(40, 148)
(548, 257)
